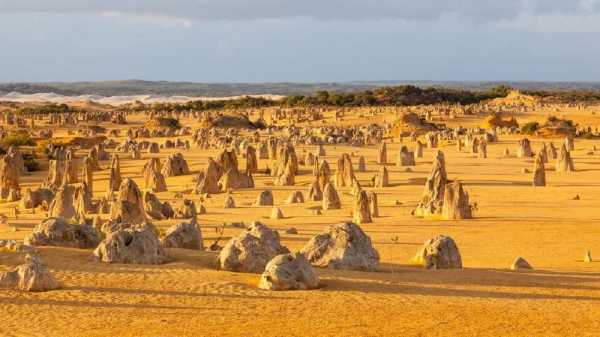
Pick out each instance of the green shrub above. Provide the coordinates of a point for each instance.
(18, 139)
(530, 128)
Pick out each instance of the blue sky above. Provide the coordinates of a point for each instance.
(300, 41)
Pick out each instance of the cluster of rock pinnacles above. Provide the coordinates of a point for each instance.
(130, 237)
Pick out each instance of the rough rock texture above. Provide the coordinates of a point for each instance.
(251, 250)
(138, 245)
(539, 172)
(187, 210)
(405, 157)
(381, 179)
(115, 179)
(362, 212)
(234, 179)
(58, 232)
(34, 198)
(289, 272)
(63, 205)
(251, 160)
(520, 263)
(175, 165)
(342, 246)
(87, 174)
(456, 202)
(362, 164)
(331, 199)
(276, 213)
(295, 198)
(433, 196)
(265, 198)
(155, 209)
(209, 182)
(30, 276)
(9, 178)
(229, 203)
(129, 206)
(524, 149)
(345, 172)
(373, 204)
(184, 235)
(314, 192)
(382, 158)
(564, 162)
(439, 253)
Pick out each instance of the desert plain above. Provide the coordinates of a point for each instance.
(552, 227)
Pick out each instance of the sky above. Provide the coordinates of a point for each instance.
(299, 40)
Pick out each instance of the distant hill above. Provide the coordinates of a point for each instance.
(191, 89)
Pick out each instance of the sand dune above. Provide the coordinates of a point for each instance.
(115, 100)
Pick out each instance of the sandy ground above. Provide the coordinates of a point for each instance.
(189, 297)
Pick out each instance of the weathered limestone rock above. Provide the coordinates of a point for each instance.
(87, 175)
(295, 198)
(129, 206)
(251, 250)
(185, 235)
(251, 160)
(439, 253)
(342, 246)
(569, 143)
(289, 272)
(564, 162)
(276, 213)
(553, 152)
(322, 173)
(362, 212)
(229, 203)
(331, 199)
(381, 179)
(419, 149)
(433, 196)
(524, 149)
(373, 204)
(405, 157)
(30, 276)
(9, 179)
(456, 202)
(314, 192)
(233, 179)
(58, 232)
(382, 158)
(345, 172)
(482, 149)
(138, 245)
(63, 205)
(539, 172)
(362, 165)
(115, 179)
(175, 165)
(187, 210)
(155, 209)
(209, 182)
(265, 198)
(34, 198)
(520, 263)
